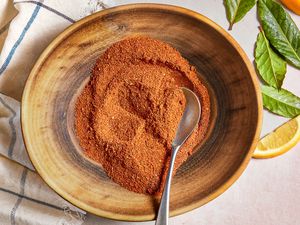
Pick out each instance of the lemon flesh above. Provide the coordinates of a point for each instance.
(280, 140)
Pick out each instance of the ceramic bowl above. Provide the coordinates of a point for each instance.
(64, 68)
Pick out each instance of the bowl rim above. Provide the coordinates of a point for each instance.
(181, 10)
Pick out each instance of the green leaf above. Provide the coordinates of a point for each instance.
(269, 65)
(280, 30)
(281, 102)
(237, 9)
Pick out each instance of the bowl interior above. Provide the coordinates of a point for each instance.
(64, 68)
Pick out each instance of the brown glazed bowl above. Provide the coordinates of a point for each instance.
(64, 68)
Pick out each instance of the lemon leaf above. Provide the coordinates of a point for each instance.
(280, 30)
(281, 102)
(269, 65)
(237, 9)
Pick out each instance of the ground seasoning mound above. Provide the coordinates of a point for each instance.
(127, 115)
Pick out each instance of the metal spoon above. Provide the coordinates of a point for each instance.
(187, 124)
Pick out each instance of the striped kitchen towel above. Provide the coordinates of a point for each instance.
(26, 28)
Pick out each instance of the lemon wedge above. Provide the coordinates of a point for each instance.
(293, 5)
(280, 140)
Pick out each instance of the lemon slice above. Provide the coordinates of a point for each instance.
(293, 5)
(280, 140)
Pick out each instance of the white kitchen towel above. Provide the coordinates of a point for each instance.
(24, 197)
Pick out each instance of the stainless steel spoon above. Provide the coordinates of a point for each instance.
(187, 124)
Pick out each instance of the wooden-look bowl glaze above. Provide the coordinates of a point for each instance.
(64, 68)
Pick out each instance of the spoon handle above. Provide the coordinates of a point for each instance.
(163, 212)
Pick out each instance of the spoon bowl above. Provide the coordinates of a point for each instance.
(190, 117)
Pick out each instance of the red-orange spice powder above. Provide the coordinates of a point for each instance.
(127, 115)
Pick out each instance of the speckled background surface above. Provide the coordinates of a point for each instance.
(268, 192)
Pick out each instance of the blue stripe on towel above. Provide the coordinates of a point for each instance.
(12, 127)
(50, 9)
(21, 37)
